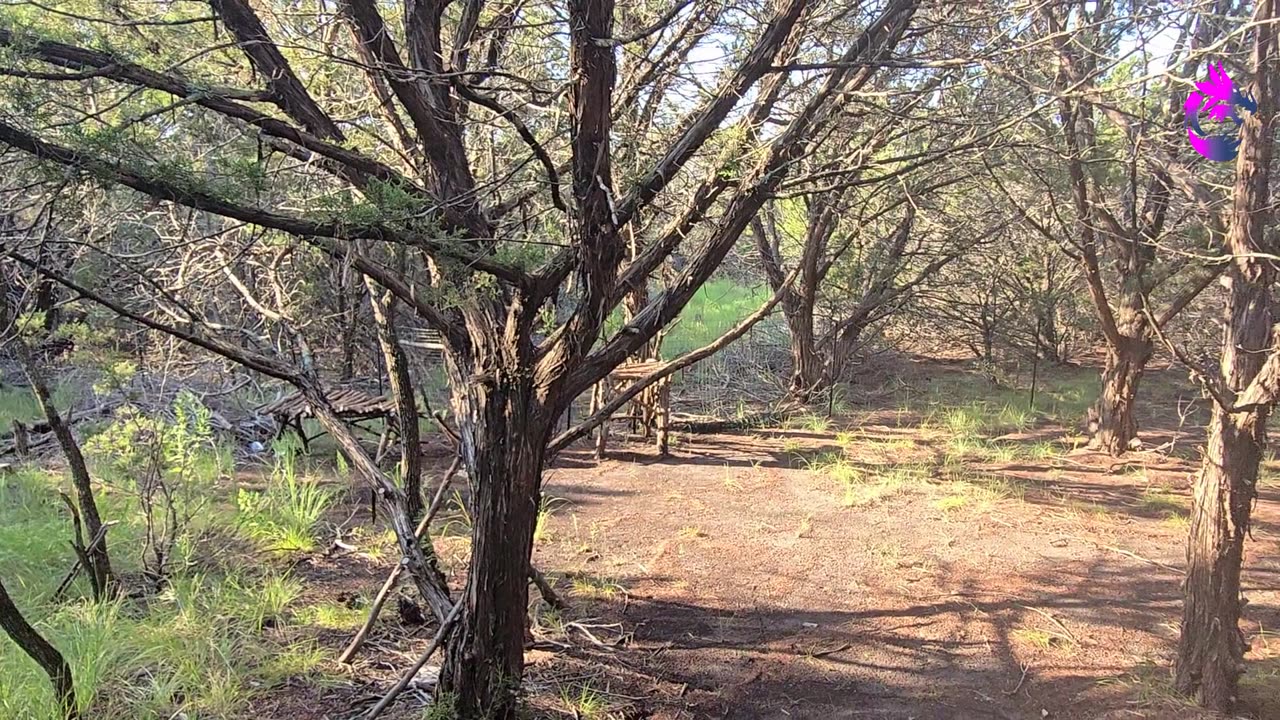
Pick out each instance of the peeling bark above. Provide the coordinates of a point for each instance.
(1211, 646)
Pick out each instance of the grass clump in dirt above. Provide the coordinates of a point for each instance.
(1041, 639)
(285, 515)
(867, 486)
(596, 587)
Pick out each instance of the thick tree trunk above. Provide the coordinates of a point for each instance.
(46, 655)
(1114, 411)
(1211, 646)
(806, 364)
(504, 436)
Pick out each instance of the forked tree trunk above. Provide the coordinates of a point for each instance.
(504, 436)
(1211, 646)
(39, 649)
(1114, 410)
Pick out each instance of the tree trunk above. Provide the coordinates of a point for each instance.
(1211, 646)
(504, 436)
(99, 558)
(806, 365)
(1114, 411)
(34, 645)
(401, 382)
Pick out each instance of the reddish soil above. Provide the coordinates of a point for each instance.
(731, 581)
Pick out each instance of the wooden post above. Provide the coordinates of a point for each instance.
(597, 402)
(664, 417)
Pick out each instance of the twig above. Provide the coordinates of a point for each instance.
(380, 599)
(399, 687)
(1128, 553)
(1025, 667)
(549, 595)
(1054, 620)
(75, 568)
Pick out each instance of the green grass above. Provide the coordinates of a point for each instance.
(586, 703)
(716, 308)
(19, 403)
(286, 514)
(217, 632)
(809, 421)
(867, 486)
(195, 648)
(546, 510)
(977, 493)
(596, 587)
(965, 402)
(332, 616)
(1159, 501)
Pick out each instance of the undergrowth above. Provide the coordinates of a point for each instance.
(218, 629)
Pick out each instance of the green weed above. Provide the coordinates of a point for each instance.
(285, 515)
(332, 616)
(586, 703)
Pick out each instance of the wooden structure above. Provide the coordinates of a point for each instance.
(351, 403)
(649, 412)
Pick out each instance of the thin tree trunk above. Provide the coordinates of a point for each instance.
(99, 558)
(504, 436)
(46, 655)
(406, 401)
(806, 365)
(1211, 646)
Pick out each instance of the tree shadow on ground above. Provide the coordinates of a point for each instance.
(961, 652)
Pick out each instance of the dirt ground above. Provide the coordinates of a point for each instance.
(734, 580)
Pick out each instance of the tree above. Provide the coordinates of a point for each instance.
(1211, 646)
(1120, 221)
(983, 302)
(855, 269)
(47, 656)
(95, 557)
(462, 182)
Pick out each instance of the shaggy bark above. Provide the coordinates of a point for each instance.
(504, 436)
(1211, 646)
(393, 356)
(1127, 355)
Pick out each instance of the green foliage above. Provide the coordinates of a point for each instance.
(196, 648)
(441, 708)
(716, 308)
(284, 516)
(179, 448)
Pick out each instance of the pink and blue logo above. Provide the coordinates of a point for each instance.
(1221, 99)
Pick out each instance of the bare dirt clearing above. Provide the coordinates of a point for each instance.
(904, 568)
